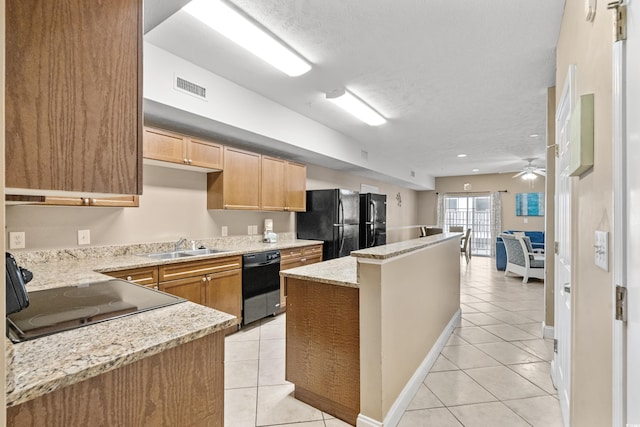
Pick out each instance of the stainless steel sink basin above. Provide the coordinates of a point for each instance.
(184, 254)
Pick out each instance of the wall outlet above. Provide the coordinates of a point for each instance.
(249, 230)
(526, 220)
(16, 240)
(84, 237)
(254, 229)
(224, 231)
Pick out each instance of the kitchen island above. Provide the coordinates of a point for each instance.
(159, 367)
(363, 331)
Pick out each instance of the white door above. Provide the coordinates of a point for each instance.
(561, 365)
(633, 214)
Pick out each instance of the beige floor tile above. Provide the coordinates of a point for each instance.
(543, 411)
(424, 399)
(272, 372)
(443, 364)
(481, 319)
(468, 356)
(251, 333)
(466, 298)
(534, 328)
(457, 388)
(241, 350)
(240, 407)
(488, 414)
(538, 373)
(466, 309)
(273, 331)
(476, 335)
(307, 424)
(484, 307)
(507, 353)
(429, 418)
(535, 315)
(508, 332)
(455, 340)
(272, 349)
(543, 348)
(240, 374)
(504, 383)
(511, 317)
(334, 422)
(276, 405)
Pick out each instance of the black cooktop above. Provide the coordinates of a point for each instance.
(61, 309)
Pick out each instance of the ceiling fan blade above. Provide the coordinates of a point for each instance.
(518, 174)
(540, 172)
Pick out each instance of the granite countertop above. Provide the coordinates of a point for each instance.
(399, 248)
(49, 363)
(339, 271)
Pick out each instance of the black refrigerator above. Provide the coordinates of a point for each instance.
(333, 217)
(373, 220)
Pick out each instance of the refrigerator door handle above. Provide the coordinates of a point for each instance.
(341, 225)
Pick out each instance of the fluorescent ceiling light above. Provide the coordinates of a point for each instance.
(356, 107)
(462, 155)
(239, 29)
(475, 170)
(529, 176)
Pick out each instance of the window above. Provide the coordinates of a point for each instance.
(471, 212)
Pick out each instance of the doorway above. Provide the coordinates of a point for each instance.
(472, 212)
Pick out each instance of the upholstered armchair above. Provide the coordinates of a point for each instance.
(521, 259)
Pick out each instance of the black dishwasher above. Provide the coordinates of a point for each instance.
(260, 285)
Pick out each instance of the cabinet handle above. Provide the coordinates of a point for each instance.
(204, 279)
(303, 259)
(155, 287)
(93, 201)
(85, 201)
(185, 161)
(129, 278)
(209, 279)
(190, 161)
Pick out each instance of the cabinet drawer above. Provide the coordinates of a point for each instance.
(198, 268)
(290, 254)
(146, 276)
(191, 288)
(313, 251)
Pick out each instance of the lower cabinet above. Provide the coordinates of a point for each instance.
(145, 276)
(297, 257)
(216, 283)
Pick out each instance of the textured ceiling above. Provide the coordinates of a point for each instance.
(451, 77)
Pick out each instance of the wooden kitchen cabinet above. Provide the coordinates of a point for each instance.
(118, 202)
(237, 186)
(216, 283)
(74, 96)
(297, 257)
(283, 186)
(171, 147)
(145, 276)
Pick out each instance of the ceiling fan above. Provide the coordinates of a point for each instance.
(530, 172)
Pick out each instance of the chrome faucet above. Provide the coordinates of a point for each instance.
(179, 243)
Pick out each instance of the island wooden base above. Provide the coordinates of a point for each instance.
(323, 347)
(182, 386)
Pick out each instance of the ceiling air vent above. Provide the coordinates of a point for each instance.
(191, 88)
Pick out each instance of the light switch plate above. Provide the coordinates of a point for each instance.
(601, 248)
(224, 231)
(16, 240)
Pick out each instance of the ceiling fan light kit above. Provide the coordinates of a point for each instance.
(530, 172)
(238, 28)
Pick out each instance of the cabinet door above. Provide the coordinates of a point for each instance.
(238, 185)
(204, 154)
(117, 202)
(74, 95)
(164, 146)
(145, 276)
(296, 187)
(273, 179)
(198, 268)
(191, 289)
(223, 291)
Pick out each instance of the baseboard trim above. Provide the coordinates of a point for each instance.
(547, 331)
(409, 391)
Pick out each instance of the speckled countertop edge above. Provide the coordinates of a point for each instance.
(72, 356)
(55, 361)
(340, 271)
(395, 249)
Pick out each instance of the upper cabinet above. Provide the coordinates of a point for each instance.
(178, 150)
(74, 96)
(238, 185)
(283, 185)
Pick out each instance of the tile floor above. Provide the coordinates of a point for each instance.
(494, 370)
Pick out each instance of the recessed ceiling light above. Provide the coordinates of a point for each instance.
(475, 170)
(534, 135)
(239, 29)
(356, 107)
(462, 155)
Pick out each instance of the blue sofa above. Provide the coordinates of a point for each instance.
(537, 242)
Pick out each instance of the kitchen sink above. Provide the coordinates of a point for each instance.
(184, 254)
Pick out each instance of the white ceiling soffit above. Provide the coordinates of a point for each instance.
(450, 77)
